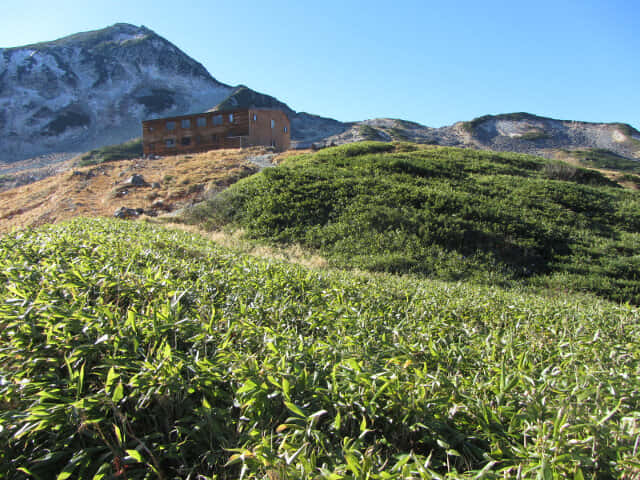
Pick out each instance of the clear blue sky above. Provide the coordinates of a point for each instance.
(434, 62)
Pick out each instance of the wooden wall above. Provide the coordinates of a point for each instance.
(195, 133)
(213, 130)
(269, 127)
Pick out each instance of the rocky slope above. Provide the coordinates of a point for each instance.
(93, 89)
(166, 184)
(514, 132)
(305, 127)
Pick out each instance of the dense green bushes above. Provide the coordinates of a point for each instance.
(445, 213)
(128, 351)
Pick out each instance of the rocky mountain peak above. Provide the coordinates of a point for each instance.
(94, 88)
(244, 97)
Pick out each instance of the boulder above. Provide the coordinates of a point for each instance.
(136, 180)
(159, 204)
(124, 212)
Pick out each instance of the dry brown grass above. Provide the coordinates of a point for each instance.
(99, 190)
(237, 241)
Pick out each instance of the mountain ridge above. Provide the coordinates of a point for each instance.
(94, 88)
(518, 132)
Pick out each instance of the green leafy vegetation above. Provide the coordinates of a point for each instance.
(445, 213)
(111, 153)
(129, 351)
(533, 135)
(370, 133)
(472, 125)
(601, 158)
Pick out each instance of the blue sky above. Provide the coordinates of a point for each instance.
(434, 62)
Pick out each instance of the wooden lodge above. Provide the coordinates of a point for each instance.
(216, 129)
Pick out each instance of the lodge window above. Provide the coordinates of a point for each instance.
(217, 120)
(286, 129)
(171, 125)
(273, 123)
(185, 141)
(186, 123)
(215, 139)
(201, 122)
(255, 117)
(170, 142)
(231, 118)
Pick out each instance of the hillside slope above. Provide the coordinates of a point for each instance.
(447, 213)
(305, 128)
(93, 89)
(129, 350)
(513, 132)
(99, 190)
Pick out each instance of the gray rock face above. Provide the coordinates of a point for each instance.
(124, 212)
(514, 132)
(305, 128)
(93, 89)
(136, 180)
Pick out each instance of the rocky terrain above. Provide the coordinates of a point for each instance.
(305, 127)
(130, 187)
(94, 88)
(515, 132)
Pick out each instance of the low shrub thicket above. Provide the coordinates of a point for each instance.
(446, 213)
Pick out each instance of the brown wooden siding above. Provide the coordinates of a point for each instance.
(213, 130)
(269, 127)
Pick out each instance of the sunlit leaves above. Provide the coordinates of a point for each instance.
(132, 351)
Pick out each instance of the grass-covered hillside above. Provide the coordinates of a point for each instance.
(599, 158)
(129, 351)
(446, 213)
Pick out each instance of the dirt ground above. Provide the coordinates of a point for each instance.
(170, 183)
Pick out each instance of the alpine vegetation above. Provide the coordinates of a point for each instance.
(132, 351)
(447, 213)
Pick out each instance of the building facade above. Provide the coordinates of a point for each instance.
(218, 129)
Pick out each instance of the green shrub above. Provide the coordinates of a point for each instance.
(535, 135)
(442, 212)
(111, 153)
(370, 133)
